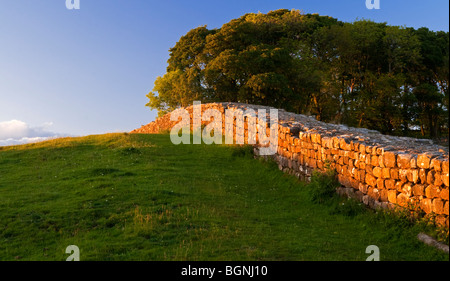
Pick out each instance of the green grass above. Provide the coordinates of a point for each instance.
(139, 197)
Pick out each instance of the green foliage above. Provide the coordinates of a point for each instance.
(136, 197)
(242, 151)
(322, 190)
(322, 187)
(363, 74)
(348, 207)
(411, 218)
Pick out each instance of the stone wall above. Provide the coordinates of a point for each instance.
(381, 171)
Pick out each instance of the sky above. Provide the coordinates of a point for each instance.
(76, 72)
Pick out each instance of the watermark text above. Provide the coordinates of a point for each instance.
(73, 4)
(260, 131)
(373, 4)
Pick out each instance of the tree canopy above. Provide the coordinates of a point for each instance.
(363, 74)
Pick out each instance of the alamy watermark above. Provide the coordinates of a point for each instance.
(258, 130)
(375, 253)
(373, 4)
(73, 4)
(74, 252)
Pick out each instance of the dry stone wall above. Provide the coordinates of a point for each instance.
(381, 171)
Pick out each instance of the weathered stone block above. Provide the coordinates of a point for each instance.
(374, 193)
(437, 179)
(413, 175)
(444, 167)
(380, 183)
(444, 194)
(344, 170)
(418, 190)
(368, 159)
(432, 191)
(436, 164)
(399, 186)
(362, 148)
(392, 196)
(345, 158)
(437, 206)
(327, 142)
(335, 142)
(379, 150)
(426, 205)
(404, 161)
(430, 177)
(369, 169)
(402, 199)
(351, 163)
(361, 175)
(389, 159)
(381, 161)
(377, 172)
(444, 178)
(362, 165)
(384, 195)
(423, 176)
(366, 199)
(413, 162)
(351, 155)
(354, 183)
(424, 160)
(407, 189)
(394, 173)
(389, 183)
(370, 180)
(374, 160)
(363, 188)
(355, 146)
(402, 175)
(386, 173)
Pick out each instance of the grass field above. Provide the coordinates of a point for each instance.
(139, 197)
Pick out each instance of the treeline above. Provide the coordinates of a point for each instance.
(364, 74)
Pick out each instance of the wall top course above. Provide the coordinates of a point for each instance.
(299, 124)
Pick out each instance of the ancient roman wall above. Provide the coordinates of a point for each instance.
(381, 171)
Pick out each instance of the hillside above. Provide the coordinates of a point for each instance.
(139, 197)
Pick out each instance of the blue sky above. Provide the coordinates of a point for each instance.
(87, 71)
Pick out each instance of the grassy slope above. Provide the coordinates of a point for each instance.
(139, 197)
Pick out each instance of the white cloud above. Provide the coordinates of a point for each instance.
(18, 132)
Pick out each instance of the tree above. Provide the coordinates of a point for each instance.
(363, 73)
(173, 90)
(430, 111)
(432, 81)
